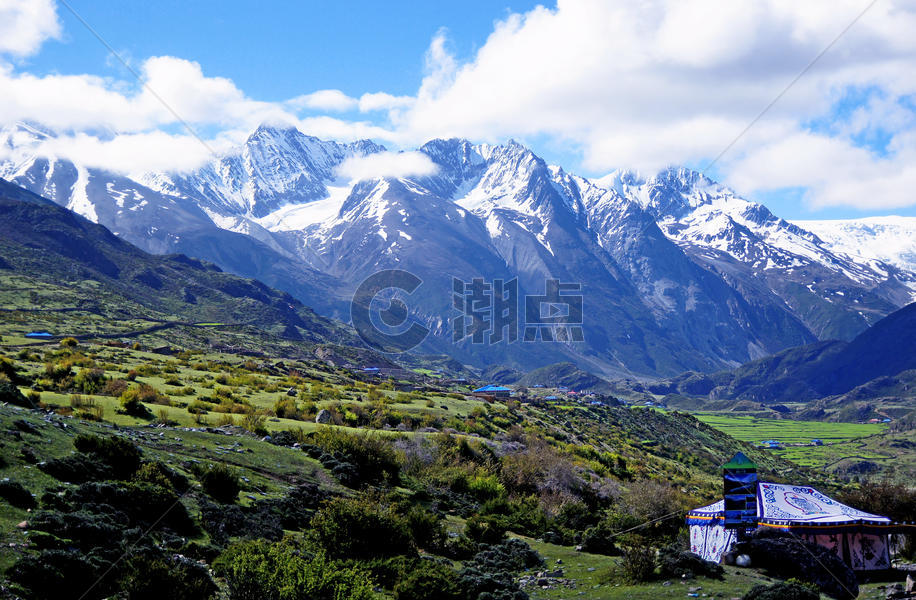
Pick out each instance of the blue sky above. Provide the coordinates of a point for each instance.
(275, 50)
(590, 85)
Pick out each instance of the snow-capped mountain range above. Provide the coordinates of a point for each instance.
(677, 271)
(890, 240)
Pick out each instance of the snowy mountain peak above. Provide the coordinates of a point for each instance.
(276, 167)
(23, 134)
(890, 239)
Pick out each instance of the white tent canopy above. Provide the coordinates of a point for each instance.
(794, 504)
(859, 538)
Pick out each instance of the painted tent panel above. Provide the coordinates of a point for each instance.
(868, 552)
(710, 542)
(831, 541)
(803, 504)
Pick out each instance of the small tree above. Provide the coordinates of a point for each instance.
(220, 483)
(361, 528)
(254, 422)
(638, 560)
(89, 381)
(119, 454)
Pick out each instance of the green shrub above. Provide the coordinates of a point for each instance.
(13, 492)
(429, 581)
(600, 538)
(485, 487)
(76, 468)
(11, 394)
(258, 570)
(361, 528)
(373, 456)
(488, 529)
(673, 562)
(131, 404)
(638, 559)
(8, 367)
(120, 455)
(158, 474)
(521, 515)
(426, 528)
(89, 381)
(198, 407)
(254, 422)
(61, 574)
(220, 483)
(124, 505)
(285, 408)
(784, 590)
(176, 578)
(492, 572)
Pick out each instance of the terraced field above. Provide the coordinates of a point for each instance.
(755, 429)
(842, 441)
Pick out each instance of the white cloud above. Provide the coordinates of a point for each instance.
(130, 153)
(649, 84)
(87, 101)
(26, 24)
(383, 101)
(835, 172)
(386, 164)
(328, 100)
(626, 84)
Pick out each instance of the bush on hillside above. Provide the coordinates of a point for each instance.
(9, 393)
(76, 468)
(219, 482)
(14, 493)
(674, 562)
(9, 371)
(372, 455)
(157, 473)
(784, 590)
(257, 570)
(152, 577)
(492, 573)
(637, 561)
(119, 454)
(89, 381)
(141, 504)
(61, 574)
(429, 581)
(361, 528)
(489, 529)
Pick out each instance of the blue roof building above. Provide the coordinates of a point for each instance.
(492, 390)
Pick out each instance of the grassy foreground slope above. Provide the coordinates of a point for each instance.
(564, 474)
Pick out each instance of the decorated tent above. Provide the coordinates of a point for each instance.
(857, 537)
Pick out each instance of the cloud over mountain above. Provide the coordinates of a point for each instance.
(639, 85)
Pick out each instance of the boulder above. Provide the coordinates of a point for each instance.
(910, 584)
(786, 556)
(323, 417)
(673, 562)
